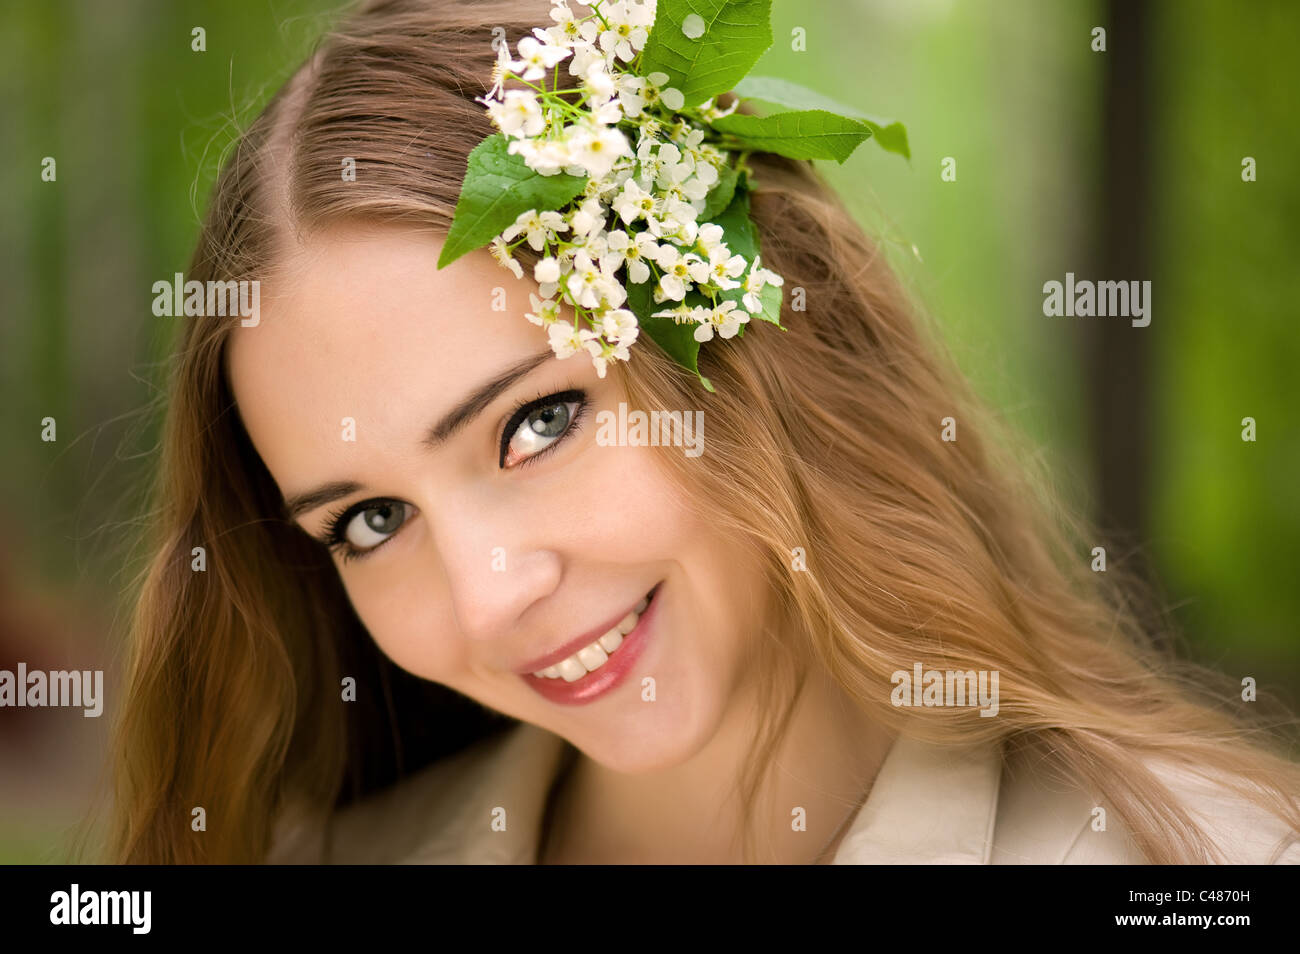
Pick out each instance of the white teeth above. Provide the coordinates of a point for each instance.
(572, 670)
(591, 658)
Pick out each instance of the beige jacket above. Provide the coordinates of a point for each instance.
(929, 804)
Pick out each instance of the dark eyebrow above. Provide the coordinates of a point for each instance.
(455, 419)
(472, 406)
(325, 493)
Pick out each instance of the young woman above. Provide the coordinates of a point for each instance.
(438, 615)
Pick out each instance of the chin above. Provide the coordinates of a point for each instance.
(670, 736)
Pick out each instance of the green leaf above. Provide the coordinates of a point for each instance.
(771, 298)
(784, 96)
(677, 340)
(741, 236)
(736, 33)
(721, 194)
(498, 188)
(810, 134)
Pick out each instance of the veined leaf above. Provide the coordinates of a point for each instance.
(736, 33)
(784, 96)
(498, 188)
(808, 134)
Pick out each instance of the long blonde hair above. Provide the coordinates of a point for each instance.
(826, 437)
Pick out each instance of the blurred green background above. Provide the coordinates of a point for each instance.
(1122, 164)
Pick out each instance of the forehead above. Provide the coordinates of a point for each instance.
(360, 323)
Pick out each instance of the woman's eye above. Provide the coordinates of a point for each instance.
(539, 429)
(375, 524)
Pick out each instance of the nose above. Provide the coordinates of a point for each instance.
(498, 561)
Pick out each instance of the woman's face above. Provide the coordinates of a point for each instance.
(377, 390)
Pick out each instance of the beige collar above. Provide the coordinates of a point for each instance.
(928, 804)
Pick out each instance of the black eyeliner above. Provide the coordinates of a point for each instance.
(521, 412)
(332, 534)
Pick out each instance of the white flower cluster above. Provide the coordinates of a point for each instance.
(655, 191)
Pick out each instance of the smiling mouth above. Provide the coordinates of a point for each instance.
(591, 658)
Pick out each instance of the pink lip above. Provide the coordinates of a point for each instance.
(572, 646)
(596, 684)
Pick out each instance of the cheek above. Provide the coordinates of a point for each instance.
(715, 580)
(638, 515)
(409, 616)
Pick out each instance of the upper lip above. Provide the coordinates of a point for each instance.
(573, 645)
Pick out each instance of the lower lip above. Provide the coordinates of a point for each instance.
(609, 676)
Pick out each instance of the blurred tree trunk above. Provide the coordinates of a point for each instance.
(1118, 355)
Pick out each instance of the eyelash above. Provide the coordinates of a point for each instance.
(335, 524)
(528, 407)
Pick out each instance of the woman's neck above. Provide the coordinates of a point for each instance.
(689, 814)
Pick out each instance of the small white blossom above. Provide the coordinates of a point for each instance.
(599, 81)
(685, 135)
(754, 282)
(537, 58)
(502, 254)
(547, 271)
(673, 167)
(566, 340)
(546, 311)
(682, 313)
(680, 271)
(545, 157)
(712, 112)
(619, 324)
(705, 171)
(591, 281)
(710, 238)
(635, 203)
(539, 227)
(602, 352)
(499, 70)
(596, 149)
(606, 114)
(628, 29)
(584, 55)
(635, 251)
(724, 268)
(569, 31)
(661, 164)
(588, 217)
(680, 221)
(692, 190)
(656, 91)
(725, 319)
(630, 96)
(519, 114)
